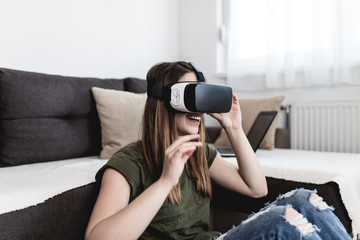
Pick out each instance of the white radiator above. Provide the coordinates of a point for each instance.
(326, 126)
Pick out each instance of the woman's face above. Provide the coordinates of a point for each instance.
(188, 123)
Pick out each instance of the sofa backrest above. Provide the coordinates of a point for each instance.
(50, 117)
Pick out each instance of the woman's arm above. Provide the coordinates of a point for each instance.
(114, 218)
(248, 178)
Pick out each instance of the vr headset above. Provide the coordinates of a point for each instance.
(193, 96)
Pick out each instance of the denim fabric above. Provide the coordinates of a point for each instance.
(316, 221)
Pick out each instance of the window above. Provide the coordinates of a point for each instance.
(292, 43)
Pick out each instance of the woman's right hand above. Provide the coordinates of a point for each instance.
(176, 156)
(114, 215)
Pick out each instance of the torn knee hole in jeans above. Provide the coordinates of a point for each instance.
(296, 219)
(318, 202)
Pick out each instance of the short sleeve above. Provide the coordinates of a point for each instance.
(125, 162)
(210, 152)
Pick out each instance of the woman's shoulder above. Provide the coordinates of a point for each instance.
(126, 160)
(132, 151)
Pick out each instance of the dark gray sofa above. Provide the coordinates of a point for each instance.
(39, 111)
(48, 118)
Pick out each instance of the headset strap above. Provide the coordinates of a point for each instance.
(155, 91)
(199, 75)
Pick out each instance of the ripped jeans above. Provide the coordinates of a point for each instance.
(312, 219)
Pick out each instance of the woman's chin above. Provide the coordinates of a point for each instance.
(190, 131)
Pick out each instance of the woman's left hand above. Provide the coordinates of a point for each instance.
(231, 119)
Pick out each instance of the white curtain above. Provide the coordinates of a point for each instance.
(277, 44)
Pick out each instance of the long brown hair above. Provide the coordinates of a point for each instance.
(159, 132)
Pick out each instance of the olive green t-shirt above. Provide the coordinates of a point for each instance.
(190, 220)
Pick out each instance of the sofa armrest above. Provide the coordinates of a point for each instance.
(282, 138)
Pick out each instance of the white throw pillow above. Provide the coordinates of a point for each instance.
(120, 114)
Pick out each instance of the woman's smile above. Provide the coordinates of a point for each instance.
(195, 118)
(188, 123)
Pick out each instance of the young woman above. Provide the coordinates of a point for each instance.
(159, 187)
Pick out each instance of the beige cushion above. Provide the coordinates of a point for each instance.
(120, 114)
(250, 108)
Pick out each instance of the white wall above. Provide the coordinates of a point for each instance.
(121, 38)
(110, 38)
(198, 34)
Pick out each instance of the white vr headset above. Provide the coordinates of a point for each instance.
(194, 96)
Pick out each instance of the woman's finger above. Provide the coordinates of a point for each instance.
(183, 148)
(181, 140)
(183, 153)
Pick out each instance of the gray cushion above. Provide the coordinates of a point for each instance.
(135, 85)
(48, 117)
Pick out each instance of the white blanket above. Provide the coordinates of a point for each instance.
(28, 185)
(317, 168)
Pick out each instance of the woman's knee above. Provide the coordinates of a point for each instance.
(270, 213)
(300, 197)
(318, 202)
(276, 221)
(296, 219)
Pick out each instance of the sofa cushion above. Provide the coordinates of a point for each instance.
(250, 108)
(48, 117)
(135, 85)
(120, 115)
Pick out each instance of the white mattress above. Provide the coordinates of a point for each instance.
(28, 185)
(318, 168)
